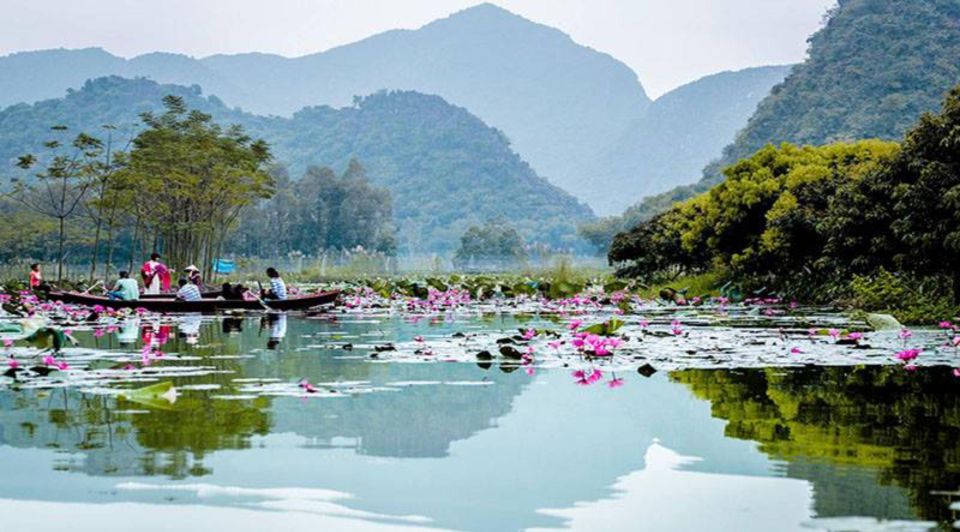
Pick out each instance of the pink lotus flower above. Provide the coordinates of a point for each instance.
(12, 362)
(530, 370)
(833, 333)
(793, 305)
(7, 342)
(580, 377)
(955, 341)
(49, 361)
(97, 333)
(63, 366)
(574, 325)
(796, 351)
(555, 345)
(305, 385)
(909, 354)
(812, 332)
(529, 334)
(615, 382)
(956, 372)
(644, 323)
(855, 336)
(904, 334)
(946, 324)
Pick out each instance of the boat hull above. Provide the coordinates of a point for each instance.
(204, 305)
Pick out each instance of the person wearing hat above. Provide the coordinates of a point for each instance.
(193, 275)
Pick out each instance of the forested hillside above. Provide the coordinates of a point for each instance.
(559, 103)
(872, 70)
(445, 168)
(682, 131)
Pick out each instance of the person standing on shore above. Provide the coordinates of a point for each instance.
(156, 275)
(36, 276)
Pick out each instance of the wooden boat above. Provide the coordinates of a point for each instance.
(207, 305)
(172, 295)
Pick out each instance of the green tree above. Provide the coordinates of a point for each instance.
(495, 243)
(58, 186)
(192, 179)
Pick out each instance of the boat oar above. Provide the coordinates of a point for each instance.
(91, 287)
(259, 300)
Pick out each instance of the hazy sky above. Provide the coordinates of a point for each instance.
(667, 42)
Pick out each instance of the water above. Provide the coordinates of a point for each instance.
(428, 437)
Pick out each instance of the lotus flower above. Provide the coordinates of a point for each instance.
(306, 386)
(529, 334)
(904, 334)
(956, 372)
(946, 324)
(7, 342)
(580, 377)
(574, 325)
(909, 354)
(615, 382)
(855, 336)
(796, 351)
(12, 362)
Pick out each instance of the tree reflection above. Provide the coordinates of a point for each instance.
(905, 426)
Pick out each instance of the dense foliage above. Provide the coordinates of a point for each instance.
(446, 170)
(802, 218)
(494, 243)
(871, 71)
(320, 211)
(188, 180)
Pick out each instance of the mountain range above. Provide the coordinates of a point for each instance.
(579, 117)
(445, 168)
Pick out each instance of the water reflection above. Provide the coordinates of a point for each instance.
(474, 448)
(856, 433)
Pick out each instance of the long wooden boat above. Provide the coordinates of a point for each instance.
(170, 305)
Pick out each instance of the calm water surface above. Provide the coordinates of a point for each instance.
(466, 446)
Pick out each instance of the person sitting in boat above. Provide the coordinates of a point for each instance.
(125, 289)
(278, 289)
(188, 291)
(193, 274)
(156, 275)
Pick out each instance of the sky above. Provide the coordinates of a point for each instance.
(666, 42)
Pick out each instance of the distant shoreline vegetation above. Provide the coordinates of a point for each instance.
(823, 223)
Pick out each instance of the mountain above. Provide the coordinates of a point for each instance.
(559, 103)
(445, 168)
(871, 71)
(679, 134)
